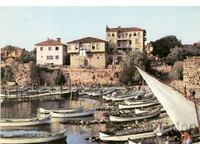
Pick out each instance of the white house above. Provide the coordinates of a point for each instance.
(51, 52)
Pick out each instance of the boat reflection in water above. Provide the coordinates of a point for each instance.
(75, 134)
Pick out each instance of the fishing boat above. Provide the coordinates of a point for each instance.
(127, 116)
(134, 133)
(135, 102)
(128, 96)
(138, 105)
(71, 110)
(25, 122)
(34, 139)
(81, 113)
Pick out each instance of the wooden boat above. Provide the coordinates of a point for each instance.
(128, 96)
(138, 105)
(136, 102)
(25, 122)
(133, 133)
(45, 111)
(132, 116)
(73, 114)
(34, 139)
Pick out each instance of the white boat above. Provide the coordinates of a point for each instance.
(125, 137)
(127, 117)
(142, 101)
(73, 114)
(34, 139)
(133, 95)
(124, 106)
(180, 110)
(71, 110)
(25, 122)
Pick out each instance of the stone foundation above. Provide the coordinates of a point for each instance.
(90, 77)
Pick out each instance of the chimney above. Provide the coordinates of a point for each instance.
(106, 27)
(59, 39)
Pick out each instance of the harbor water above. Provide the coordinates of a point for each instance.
(77, 134)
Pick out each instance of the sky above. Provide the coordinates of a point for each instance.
(26, 26)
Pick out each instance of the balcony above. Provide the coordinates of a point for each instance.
(124, 46)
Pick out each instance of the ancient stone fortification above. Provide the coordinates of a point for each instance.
(93, 76)
(191, 76)
(25, 73)
(191, 72)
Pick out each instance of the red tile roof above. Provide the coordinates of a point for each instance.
(49, 42)
(86, 40)
(120, 29)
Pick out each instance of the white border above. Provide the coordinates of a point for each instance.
(99, 3)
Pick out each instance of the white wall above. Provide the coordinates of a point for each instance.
(41, 56)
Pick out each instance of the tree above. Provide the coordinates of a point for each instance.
(60, 80)
(162, 46)
(176, 54)
(130, 74)
(27, 56)
(177, 71)
(7, 74)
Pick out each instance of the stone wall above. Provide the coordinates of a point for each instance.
(92, 76)
(25, 74)
(191, 72)
(191, 76)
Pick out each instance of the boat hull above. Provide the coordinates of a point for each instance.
(33, 140)
(72, 115)
(118, 138)
(128, 119)
(124, 106)
(45, 120)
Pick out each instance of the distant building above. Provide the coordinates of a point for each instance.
(87, 52)
(11, 51)
(9, 54)
(51, 52)
(124, 40)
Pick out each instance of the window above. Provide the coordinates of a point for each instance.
(136, 41)
(41, 56)
(130, 35)
(97, 57)
(113, 34)
(98, 46)
(41, 48)
(57, 57)
(93, 46)
(134, 34)
(49, 48)
(57, 48)
(108, 34)
(49, 57)
(76, 46)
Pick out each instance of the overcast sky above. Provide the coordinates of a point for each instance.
(25, 26)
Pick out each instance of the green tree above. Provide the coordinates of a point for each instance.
(161, 47)
(60, 80)
(7, 74)
(130, 74)
(27, 56)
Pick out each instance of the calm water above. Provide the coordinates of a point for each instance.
(76, 134)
